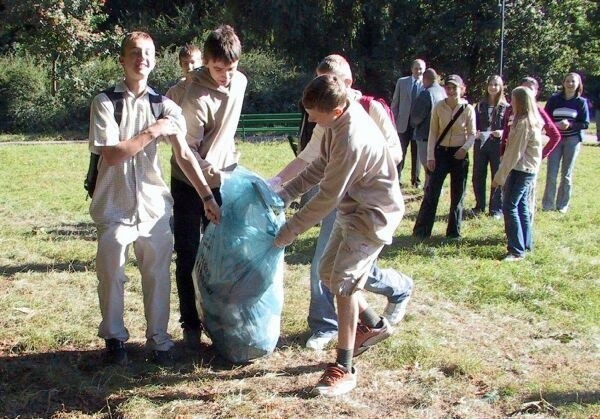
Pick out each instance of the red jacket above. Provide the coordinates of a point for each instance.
(551, 131)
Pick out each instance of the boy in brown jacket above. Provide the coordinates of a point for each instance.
(356, 175)
(211, 105)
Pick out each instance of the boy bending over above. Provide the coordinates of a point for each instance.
(356, 175)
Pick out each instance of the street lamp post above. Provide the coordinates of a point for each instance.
(502, 5)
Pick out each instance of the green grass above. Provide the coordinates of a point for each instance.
(481, 338)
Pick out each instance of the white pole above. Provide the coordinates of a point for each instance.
(502, 5)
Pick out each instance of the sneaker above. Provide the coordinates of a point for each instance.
(115, 352)
(319, 340)
(368, 336)
(162, 358)
(191, 338)
(336, 380)
(512, 258)
(563, 210)
(394, 312)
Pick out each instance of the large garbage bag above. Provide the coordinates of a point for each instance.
(238, 273)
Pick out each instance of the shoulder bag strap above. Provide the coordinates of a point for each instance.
(452, 121)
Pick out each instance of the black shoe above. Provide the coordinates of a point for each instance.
(115, 352)
(162, 358)
(191, 337)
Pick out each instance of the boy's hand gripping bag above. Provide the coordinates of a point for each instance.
(238, 273)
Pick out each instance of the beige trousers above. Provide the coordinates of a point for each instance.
(153, 248)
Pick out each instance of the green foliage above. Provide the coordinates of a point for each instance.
(23, 90)
(167, 71)
(274, 85)
(543, 38)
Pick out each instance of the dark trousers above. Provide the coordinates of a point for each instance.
(406, 139)
(445, 163)
(484, 156)
(188, 220)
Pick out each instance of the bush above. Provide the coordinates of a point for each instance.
(23, 94)
(167, 71)
(76, 90)
(274, 85)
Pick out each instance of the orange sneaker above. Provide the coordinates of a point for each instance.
(336, 380)
(368, 336)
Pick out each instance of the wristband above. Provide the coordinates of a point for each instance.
(208, 197)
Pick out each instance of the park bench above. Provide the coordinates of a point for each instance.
(269, 123)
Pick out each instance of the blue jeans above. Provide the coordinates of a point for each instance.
(567, 151)
(322, 317)
(515, 206)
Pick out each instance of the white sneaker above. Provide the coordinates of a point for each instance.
(394, 312)
(319, 340)
(336, 380)
(512, 258)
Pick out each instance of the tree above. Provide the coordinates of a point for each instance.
(63, 32)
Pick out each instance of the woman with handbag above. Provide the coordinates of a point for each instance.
(451, 135)
(520, 163)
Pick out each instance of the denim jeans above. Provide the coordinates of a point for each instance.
(445, 164)
(517, 217)
(322, 317)
(188, 222)
(567, 151)
(488, 154)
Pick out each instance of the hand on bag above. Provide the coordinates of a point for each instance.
(212, 211)
(285, 237)
(274, 184)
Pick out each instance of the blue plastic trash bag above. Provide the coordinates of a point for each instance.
(238, 273)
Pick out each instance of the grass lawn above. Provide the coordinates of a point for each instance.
(482, 338)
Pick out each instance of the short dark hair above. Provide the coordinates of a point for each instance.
(325, 93)
(130, 36)
(188, 50)
(222, 44)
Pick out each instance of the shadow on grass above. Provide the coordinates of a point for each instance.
(68, 231)
(44, 384)
(549, 402)
(71, 266)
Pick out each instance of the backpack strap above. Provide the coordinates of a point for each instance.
(117, 100)
(365, 101)
(156, 103)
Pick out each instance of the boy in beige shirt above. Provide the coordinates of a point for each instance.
(211, 104)
(356, 175)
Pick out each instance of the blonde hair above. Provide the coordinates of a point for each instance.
(526, 106)
(132, 36)
(337, 65)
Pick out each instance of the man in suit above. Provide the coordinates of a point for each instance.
(406, 91)
(420, 115)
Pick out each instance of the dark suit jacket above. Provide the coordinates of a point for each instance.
(420, 116)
